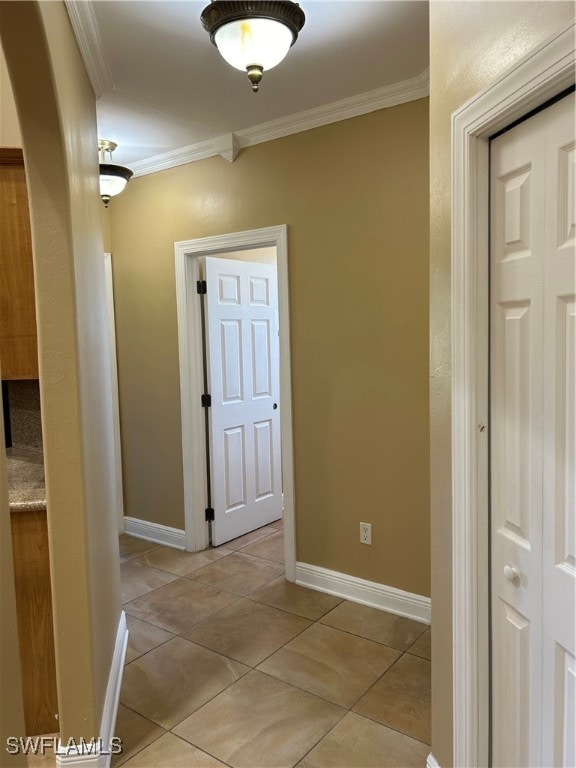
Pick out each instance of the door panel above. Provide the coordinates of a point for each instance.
(559, 595)
(565, 529)
(510, 728)
(564, 746)
(517, 200)
(263, 443)
(532, 439)
(243, 376)
(261, 362)
(234, 468)
(230, 366)
(513, 329)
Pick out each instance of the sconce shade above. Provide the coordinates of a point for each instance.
(253, 35)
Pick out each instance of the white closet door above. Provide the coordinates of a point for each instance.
(559, 493)
(532, 444)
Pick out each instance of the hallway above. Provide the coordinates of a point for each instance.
(229, 664)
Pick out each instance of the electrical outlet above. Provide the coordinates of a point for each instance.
(365, 533)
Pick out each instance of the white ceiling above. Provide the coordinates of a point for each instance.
(164, 85)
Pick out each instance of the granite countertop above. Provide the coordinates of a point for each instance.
(26, 487)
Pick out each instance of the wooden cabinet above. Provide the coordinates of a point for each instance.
(18, 342)
(35, 627)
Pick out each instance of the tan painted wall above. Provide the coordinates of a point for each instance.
(57, 118)
(105, 225)
(471, 44)
(355, 198)
(9, 128)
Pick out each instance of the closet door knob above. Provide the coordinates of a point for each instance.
(511, 574)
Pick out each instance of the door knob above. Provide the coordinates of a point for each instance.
(511, 574)
(275, 406)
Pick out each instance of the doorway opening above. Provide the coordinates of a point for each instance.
(239, 306)
(192, 257)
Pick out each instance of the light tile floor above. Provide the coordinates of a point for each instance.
(229, 664)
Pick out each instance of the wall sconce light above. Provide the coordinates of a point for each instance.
(113, 178)
(253, 35)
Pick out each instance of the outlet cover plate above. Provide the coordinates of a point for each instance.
(365, 533)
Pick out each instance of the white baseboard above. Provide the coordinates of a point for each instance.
(159, 534)
(431, 762)
(97, 753)
(75, 760)
(369, 593)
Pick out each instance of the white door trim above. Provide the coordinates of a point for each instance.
(191, 378)
(118, 492)
(542, 74)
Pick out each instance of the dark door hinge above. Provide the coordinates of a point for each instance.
(209, 514)
(206, 401)
(201, 286)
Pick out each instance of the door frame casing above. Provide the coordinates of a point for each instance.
(542, 74)
(111, 316)
(192, 378)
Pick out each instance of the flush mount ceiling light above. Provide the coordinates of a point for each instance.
(113, 178)
(253, 35)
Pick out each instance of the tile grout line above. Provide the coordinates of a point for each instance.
(394, 663)
(390, 727)
(146, 745)
(363, 637)
(204, 751)
(321, 739)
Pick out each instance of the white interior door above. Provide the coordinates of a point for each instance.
(532, 440)
(243, 379)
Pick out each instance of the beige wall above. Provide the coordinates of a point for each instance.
(355, 198)
(472, 43)
(105, 225)
(57, 118)
(9, 128)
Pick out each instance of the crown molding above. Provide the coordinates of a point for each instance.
(362, 104)
(229, 145)
(226, 145)
(87, 34)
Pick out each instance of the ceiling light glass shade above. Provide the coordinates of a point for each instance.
(253, 35)
(261, 42)
(113, 178)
